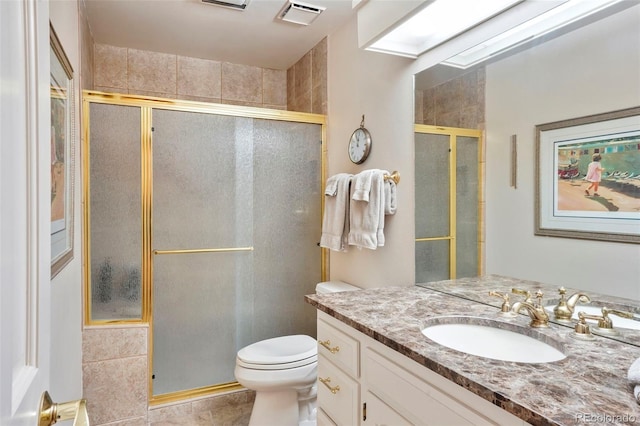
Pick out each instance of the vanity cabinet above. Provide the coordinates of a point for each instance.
(363, 382)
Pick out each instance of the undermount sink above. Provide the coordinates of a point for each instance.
(618, 322)
(493, 339)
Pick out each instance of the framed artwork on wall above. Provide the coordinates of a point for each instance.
(588, 177)
(62, 154)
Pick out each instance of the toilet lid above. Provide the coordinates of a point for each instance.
(279, 350)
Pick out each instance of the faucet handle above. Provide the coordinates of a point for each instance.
(562, 292)
(605, 324)
(525, 293)
(506, 306)
(539, 296)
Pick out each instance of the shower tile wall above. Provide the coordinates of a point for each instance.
(140, 72)
(307, 81)
(115, 358)
(455, 103)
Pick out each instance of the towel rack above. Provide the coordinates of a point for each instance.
(395, 176)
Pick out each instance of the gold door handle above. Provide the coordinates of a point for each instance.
(51, 412)
(334, 390)
(327, 344)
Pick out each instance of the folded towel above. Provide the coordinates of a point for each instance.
(335, 221)
(367, 214)
(390, 203)
(331, 187)
(634, 377)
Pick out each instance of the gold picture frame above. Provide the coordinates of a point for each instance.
(588, 177)
(62, 155)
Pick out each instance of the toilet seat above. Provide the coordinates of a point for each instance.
(279, 353)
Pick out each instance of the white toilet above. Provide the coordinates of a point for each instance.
(283, 372)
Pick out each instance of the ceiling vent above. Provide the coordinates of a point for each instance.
(299, 13)
(231, 4)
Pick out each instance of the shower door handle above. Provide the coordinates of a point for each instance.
(51, 412)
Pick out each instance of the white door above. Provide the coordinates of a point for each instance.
(24, 209)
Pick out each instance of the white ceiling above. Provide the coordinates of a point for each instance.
(191, 28)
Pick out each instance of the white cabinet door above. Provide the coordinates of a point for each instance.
(25, 213)
(380, 414)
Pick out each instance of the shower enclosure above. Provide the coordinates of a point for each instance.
(448, 203)
(203, 221)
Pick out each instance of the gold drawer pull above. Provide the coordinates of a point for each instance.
(326, 382)
(327, 344)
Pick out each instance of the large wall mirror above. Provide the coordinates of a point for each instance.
(561, 76)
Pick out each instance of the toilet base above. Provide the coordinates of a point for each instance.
(283, 408)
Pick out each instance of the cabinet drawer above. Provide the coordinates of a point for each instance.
(338, 394)
(417, 400)
(338, 347)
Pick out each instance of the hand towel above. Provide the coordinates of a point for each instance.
(335, 220)
(366, 213)
(634, 377)
(362, 185)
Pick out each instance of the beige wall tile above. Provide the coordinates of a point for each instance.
(274, 86)
(302, 83)
(152, 93)
(106, 343)
(86, 49)
(110, 66)
(241, 103)
(319, 63)
(319, 97)
(169, 412)
(199, 77)
(151, 71)
(241, 83)
(279, 107)
(200, 99)
(418, 98)
(291, 88)
(115, 389)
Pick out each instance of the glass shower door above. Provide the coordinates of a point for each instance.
(236, 217)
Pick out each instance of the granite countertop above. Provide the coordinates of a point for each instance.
(589, 386)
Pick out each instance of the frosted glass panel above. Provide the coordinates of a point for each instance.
(197, 311)
(225, 182)
(202, 193)
(287, 226)
(467, 207)
(432, 261)
(115, 206)
(432, 185)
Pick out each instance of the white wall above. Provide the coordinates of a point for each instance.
(380, 87)
(66, 287)
(591, 70)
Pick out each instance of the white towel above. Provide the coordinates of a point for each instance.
(634, 377)
(362, 185)
(335, 221)
(390, 203)
(367, 210)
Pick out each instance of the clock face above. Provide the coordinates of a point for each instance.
(359, 145)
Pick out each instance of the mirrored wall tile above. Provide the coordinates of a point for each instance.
(151, 71)
(274, 86)
(241, 83)
(199, 77)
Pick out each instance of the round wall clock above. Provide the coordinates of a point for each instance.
(359, 145)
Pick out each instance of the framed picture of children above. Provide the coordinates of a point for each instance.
(588, 177)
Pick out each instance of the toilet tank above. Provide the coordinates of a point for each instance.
(334, 287)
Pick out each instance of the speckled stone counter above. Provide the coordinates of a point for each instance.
(589, 386)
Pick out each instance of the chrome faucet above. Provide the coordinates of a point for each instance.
(565, 308)
(538, 315)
